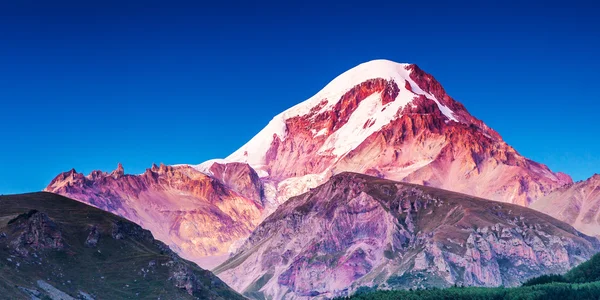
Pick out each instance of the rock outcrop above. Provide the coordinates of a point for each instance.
(36, 232)
(93, 237)
(356, 231)
(240, 178)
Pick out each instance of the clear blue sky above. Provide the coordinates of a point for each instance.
(88, 85)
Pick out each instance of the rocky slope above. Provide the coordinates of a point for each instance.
(577, 204)
(393, 121)
(197, 215)
(356, 230)
(52, 247)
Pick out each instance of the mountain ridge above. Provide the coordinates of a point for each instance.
(357, 231)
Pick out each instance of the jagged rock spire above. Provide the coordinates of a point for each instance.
(118, 172)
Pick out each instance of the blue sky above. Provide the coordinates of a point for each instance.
(88, 85)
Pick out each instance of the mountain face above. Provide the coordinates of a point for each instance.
(577, 204)
(392, 121)
(380, 118)
(52, 247)
(356, 230)
(196, 214)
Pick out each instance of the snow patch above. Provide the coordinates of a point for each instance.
(320, 132)
(261, 173)
(205, 166)
(353, 132)
(254, 151)
(297, 185)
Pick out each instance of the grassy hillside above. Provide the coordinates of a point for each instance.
(50, 245)
(580, 283)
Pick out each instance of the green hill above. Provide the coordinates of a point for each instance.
(52, 247)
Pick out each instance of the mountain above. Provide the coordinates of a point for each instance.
(393, 121)
(52, 247)
(360, 231)
(196, 214)
(380, 118)
(577, 204)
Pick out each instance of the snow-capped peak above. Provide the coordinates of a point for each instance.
(352, 133)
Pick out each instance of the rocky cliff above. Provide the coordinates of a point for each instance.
(577, 204)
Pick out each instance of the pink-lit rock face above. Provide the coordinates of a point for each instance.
(240, 178)
(577, 204)
(394, 121)
(298, 154)
(356, 230)
(195, 214)
(420, 148)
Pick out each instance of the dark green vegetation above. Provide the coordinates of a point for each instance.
(588, 271)
(81, 250)
(582, 282)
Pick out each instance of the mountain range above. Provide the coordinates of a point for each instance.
(389, 121)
